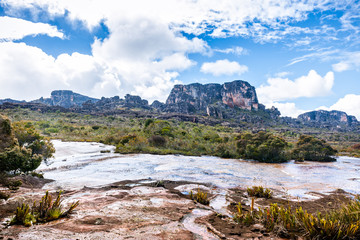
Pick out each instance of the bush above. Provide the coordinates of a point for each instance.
(46, 211)
(309, 148)
(157, 141)
(262, 146)
(19, 160)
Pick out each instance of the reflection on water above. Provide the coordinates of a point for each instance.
(81, 164)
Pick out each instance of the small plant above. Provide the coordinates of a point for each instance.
(200, 197)
(23, 216)
(259, 191)
(247, 218)
(13, 185)
(159, 183)
(46, 211)
(38, 175)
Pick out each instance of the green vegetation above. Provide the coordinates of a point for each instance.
(156, 136)
(26, 148)
(200, 197)
(246, 218)
(343, 223)
(259, 191)
(311, 149)
(262, 146)
(45, 211)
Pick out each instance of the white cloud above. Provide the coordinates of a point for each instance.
(27, 72)
(283, 89)
(282, 74)
(223, 67)
(263, 19)
(349, 103)
(14, 29)
(234, 50)
(350, 60)
(141, 57)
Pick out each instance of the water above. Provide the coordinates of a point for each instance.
(81, 164)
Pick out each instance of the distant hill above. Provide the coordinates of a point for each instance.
(232, 104)
(65, 98)
(9, 100)
(322, 118)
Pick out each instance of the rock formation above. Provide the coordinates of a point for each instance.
(323, 117)
(65, 98)
(200, 98)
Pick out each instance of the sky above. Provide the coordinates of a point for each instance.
(300, 55)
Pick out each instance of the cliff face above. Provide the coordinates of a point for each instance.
(197, 97)
(113, 103)
(65, 98)
(327, 117)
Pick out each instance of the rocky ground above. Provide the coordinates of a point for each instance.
(149, 210)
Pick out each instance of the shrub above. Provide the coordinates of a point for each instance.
(46, 211)
(13, 185)
(356, 146)
(157, 141)
(19, 160)
(259, 191)
(95, 127)
(262, 146)
(309, 148)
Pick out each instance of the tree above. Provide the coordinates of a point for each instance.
(309, 148)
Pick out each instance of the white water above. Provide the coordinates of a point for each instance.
(81, 164)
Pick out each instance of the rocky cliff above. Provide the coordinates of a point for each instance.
(203, 98)
(114, 103)
(65, 98)
(330, 118)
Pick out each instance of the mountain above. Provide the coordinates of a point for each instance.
(65, 98)
(9, 100)
(324, 118)
(113, 103)
(232, 103)
(210, 98)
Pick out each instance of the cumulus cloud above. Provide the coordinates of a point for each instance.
(349, 103)
(140, 56)
(223, 67)
(283, 89)
(265, 20)
(15, 28)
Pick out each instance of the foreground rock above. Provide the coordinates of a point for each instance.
(149, 210)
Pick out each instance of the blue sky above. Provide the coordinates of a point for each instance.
(300, 55)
